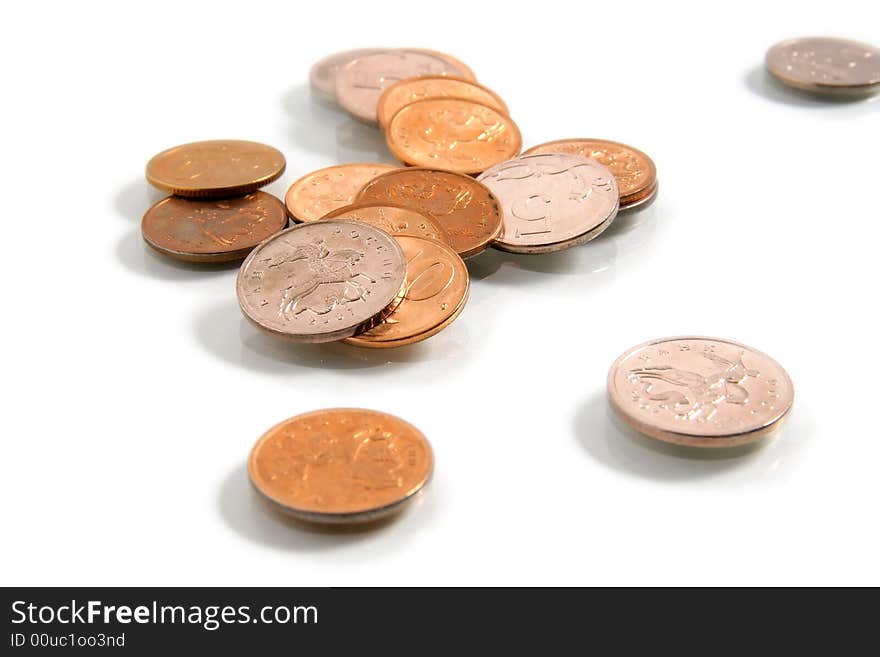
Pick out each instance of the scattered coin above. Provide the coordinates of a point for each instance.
(322, 76)
(341, 465)
(212, 231)
(320, 192)
(704, 392)
(435, 292)
(321, 281)
(396, 220)
(466, 209)
(828, 66)
(551, 201)
(211, 169)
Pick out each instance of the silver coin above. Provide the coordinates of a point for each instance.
(322, 76)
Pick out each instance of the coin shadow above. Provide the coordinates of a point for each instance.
(134, 198)
(762, 84)
(136, 256)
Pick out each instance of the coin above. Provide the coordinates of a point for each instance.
(834, 67)
(212, 231)
(341, 465)
(322, 191)
(321, 281)
(402, 93)
(322, 76)
(361, 82)
(396, 220)
(704, 392)
(643, 201)
(551, 201)
(435, 292)
(456, 63)
(453, 134)
(211, 169)
(634, 171)
(466, 209)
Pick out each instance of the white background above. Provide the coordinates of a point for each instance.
(133, 390)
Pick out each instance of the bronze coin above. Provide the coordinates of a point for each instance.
(322, 191)
(395, 220)
(212, 231)
(827, 66)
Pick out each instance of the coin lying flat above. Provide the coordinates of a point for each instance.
(211, 169)
(341, 465)
(322, 76)
(321, 281)
(551, 201)
(395, 220)
(435, 292)
(452, 133)
(466, 210)
(456, 63)
(704, 392)
(212, 231)
(320, 192)
(834, 67)
(642, 201)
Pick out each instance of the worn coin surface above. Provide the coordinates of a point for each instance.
(341, 465)
(212, 230)
(321, 281)
(211, 169)
(835, 67)
(704, 392)
(322, 76)
(322, 191)
(435, 292)
(551, 201)
(453, 134)
(468, 212)
(396, 220)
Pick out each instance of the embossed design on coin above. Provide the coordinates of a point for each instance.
(837, 67)
(705, 392)
(320, 192)
(322, 76)
(467, 210)
(211, 169)
(396, 220)
(321, 281)
(341, 465)
(551, 201)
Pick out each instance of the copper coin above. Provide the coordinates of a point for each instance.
(321, 281)
(704, 392)
(459, 65)
(322, 191)
(453, 134)
(224, 167)
(361, 82)
(212, 231)
(551, 201)
(402, 93)
(466, 210)
(634, 171)
(835, 67)
(395, 220)
(341, 465)
(643, 201)
(435, 292)
(322, 76)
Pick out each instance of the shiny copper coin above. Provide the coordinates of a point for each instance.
(341, 465)
(212, 231)
(321, 281)
(456, 63)
(435, 292)
(551, 201)
(642, 201)
(322, 76)
(395, 220)
(634, 171)
(703, 392)
(402, 93)
(211, 169)
(834, 67)
(322, 191)
(453, 134)
(466, 210)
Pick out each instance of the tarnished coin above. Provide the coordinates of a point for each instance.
(212, 231)
(453, 134)
(704, 392)
(551, 201)
(396, 220)
(634, 171)
(341, 465)
(322, 76)
(402, 93)
(822, 65)
(211, 169)
(361, 82)
(322, 191)
(435, 292)
(466, 210)
(321, 281)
